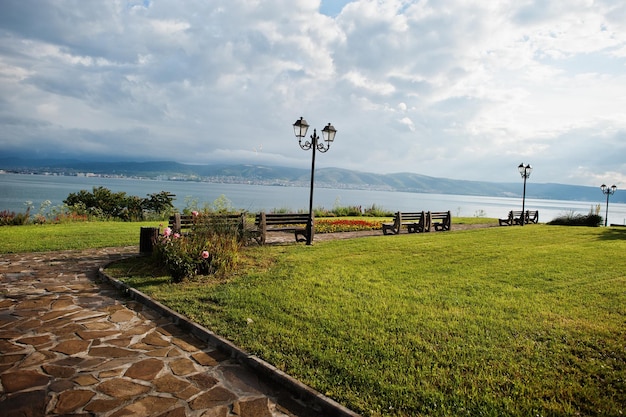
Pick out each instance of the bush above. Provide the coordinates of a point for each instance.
(211, 248)
(103, 204)
(576, 219)
(11, 218)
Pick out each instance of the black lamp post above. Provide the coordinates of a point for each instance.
(328, 135)
(524, 171)
(608, 191)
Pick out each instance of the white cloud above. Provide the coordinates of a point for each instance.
(461, 89)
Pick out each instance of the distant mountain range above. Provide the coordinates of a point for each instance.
(324, 177)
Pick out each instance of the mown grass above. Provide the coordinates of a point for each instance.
(513, 321)
(79, 235)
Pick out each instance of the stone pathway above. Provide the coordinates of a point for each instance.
(70, 345)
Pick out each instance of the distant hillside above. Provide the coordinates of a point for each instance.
(324, 177)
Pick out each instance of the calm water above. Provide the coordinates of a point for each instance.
(17, 189)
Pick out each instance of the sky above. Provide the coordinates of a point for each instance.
(463, 89)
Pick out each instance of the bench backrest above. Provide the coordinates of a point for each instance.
(179, 222)
(440, 215)
(410, 216)
(281, 218)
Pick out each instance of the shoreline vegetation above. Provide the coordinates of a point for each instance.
(496, 321)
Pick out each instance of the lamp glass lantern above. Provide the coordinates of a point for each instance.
(300, 128)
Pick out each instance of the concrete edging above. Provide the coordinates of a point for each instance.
(316, 401)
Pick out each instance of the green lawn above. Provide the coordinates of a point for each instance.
(510, 321)
(80, 235)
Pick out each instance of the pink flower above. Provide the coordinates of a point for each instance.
(167, 232)
(195, 213)
(205, 254)
(176, 235)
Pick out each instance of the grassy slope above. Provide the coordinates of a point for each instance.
(500, 321)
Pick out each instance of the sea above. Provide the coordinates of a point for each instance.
(19, 190)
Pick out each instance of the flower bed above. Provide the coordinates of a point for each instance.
(345, 225)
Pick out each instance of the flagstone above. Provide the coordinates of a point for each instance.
(146, 406)
(9, 347)
(62, 303)
(203, 380)
(204, 359)
(214, 397)
(61, 385)
(53, 315)
(23, 379)
(9, 334)
(72, 400)
(159, 353)
(26, 404)
(188, 392)
(36, 358)
(182, 366)
(122, 316)
(137, 330)
(120, 342)
(184, 345)
(145, 370)
(122, 388)
(169, 383)
(252, 407)
(35, 340)
(111, 373)
(153, 338)
(96, 334)
(34, 304)
(99, 325)
(85, 380)
(111, 352)
(174, 353)
(71, 347)
(177, 412)
(101, 406)
(58, 371)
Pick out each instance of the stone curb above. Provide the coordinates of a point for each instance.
(315, 400)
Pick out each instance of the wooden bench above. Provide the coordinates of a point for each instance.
(282, 222)
(515, 217)
(415, 222)
(440, 220)
(183, 223)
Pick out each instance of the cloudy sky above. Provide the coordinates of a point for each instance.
(462, 89)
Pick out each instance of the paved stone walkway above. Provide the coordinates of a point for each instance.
(70, 345)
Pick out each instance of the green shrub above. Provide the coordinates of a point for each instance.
(577, 219)
(211, 248)
(11, 218)
(103, 204)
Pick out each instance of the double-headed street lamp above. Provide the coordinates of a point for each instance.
(328, 135)
(524, 171)
(608, 191)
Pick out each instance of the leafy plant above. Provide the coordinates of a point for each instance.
(104, 204)
(210, 248)
(577, 219)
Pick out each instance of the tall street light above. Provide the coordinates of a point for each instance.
(524, 171)
(328, 135)
(608, 191)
